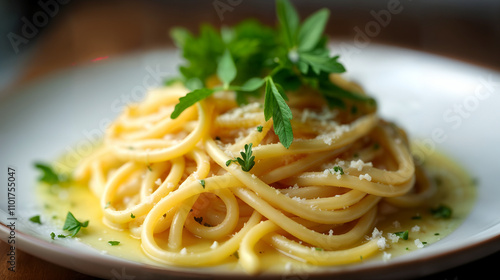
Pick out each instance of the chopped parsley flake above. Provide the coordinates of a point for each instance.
(50, 176)
(402, 234)
(36, 219)
(73, 225)
(338, 169)
(442, 211)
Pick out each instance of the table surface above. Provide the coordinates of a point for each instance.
(86, 30)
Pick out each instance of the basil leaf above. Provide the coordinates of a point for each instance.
(190, 99)
(226, 70)
(312, 29)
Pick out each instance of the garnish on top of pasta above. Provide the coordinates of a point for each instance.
(259, 142)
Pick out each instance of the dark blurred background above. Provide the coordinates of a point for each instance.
(43, 36)
(40, 36)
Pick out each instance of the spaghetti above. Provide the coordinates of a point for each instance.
(175, 183)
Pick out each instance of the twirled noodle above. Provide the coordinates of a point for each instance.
(175, 184)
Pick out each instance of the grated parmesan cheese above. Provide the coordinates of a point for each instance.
(386, 256)
(393, 237)
(376, 233)
(241, 112)
(381, 243)
(359, 164)
(329, 137)
(366, 177)
(419, 243)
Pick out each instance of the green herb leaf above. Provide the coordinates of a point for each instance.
(312, 29)
(338, 169)
(332, 90)
(442, 211)
(249, 55)
(73, 225)
(132, 215)
(202, 182)
(226, 70)
(289, 22)
(113, 243)
(252, 84)
(180, 36)
(190, 99)
(52, 235)
(49, 175)
(275, 106)
(402, 234)
(36, 219)
(319, 62)
(247, 160)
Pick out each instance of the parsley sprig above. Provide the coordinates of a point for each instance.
(246, 161)
(251, 59)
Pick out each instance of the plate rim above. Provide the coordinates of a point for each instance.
(384, 270)
(474, 250)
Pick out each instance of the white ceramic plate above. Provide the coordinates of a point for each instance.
(451, 106)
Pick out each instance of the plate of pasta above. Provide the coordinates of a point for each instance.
(255, 152)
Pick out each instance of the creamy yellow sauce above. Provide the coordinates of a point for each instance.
(455, 189)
